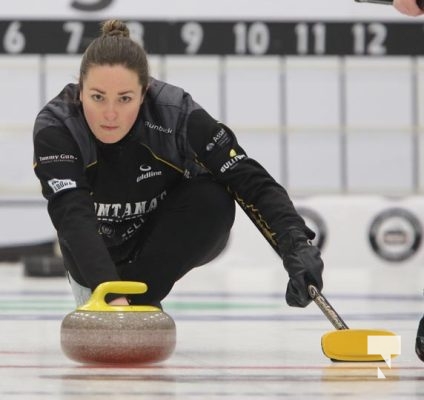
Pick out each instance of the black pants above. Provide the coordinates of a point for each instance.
(190, 228)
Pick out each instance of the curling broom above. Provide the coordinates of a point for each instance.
(345, 344)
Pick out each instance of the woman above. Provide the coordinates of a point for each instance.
(141, 181)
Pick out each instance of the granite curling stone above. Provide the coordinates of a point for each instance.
(101, 333)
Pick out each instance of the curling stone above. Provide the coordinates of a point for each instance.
(101, 333)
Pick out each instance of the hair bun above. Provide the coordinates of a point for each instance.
(115, 27)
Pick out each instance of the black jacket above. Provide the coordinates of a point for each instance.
(99, 195)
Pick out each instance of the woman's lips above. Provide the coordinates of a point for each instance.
(108, 128)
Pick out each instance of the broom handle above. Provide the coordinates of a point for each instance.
(326, 308)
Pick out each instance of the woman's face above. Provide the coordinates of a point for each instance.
(111, 97)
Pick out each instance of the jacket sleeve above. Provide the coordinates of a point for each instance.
(60, 169)
(264, 200)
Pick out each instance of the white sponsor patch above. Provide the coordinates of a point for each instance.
(157, 127)
(234, 160)
(57, 158)
(60, 184)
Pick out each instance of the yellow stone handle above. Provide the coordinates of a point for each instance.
(97, 300)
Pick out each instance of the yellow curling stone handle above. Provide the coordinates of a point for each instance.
(97, 300)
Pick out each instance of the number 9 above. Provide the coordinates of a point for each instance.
(192, 35)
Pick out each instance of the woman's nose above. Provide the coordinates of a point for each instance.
(110, 113)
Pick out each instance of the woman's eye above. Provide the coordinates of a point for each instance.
(97, 97)
(125, 99)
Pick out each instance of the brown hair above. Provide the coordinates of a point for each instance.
(115, 47)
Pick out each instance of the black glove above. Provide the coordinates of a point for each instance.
(304, 265)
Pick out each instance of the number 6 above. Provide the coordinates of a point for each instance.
(14, 40)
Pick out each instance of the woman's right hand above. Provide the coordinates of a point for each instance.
(119, 301)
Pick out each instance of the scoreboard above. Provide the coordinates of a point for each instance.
(236, 37)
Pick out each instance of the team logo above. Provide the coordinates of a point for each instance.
(314, 222)
(210, 146)
(145, 168)
(106, 230)
(147, 173)
(395, 234)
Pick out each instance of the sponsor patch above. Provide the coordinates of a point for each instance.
(61, 184)
(53, 158)
(147, 173)
(235, 158)
(157, 127)
(221, 138)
